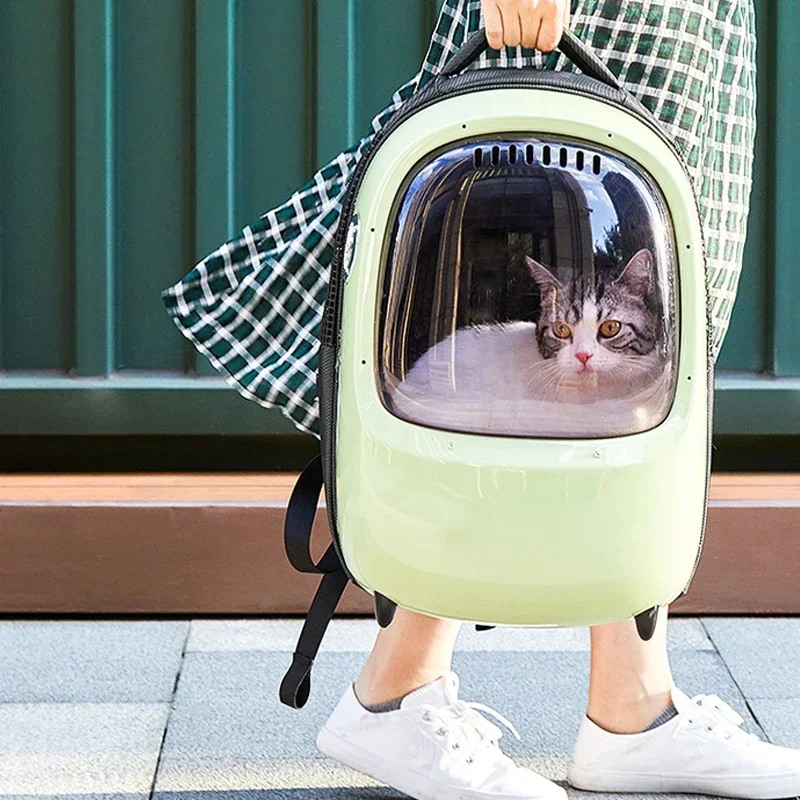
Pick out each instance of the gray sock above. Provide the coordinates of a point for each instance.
(387, 705)
(665, 716)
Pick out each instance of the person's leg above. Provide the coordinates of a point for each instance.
(642, 734)
(403, 723)
(630, 682)
(413, 651)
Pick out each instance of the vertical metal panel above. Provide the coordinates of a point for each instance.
(365, 51)
(336, 68)
(95, 199)
(786, 319)
(214, 126)
(391, 45)
(215, 139)
(155, 172)
(36, 177)
(272, 108)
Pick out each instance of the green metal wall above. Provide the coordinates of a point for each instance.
(137, 135)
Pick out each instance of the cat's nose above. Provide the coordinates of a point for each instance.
(583, 357)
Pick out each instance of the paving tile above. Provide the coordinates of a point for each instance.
(762, 653)
(377, 792)
(97, 661)
(229, 732)
(780, 720)
(358, 635)
(116, 796)
(544, 694)
(683, 634)
(271, 635)
(64, 748)
(687, 633)
(302, 792)
(577, 795)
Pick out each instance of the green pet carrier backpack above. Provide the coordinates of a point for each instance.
(515, 381)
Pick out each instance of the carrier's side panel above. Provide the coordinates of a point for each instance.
(504, 530)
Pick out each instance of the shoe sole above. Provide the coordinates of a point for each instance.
(402, 779)
(770, 787)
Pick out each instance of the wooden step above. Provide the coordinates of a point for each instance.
(222, 487)
(275, 487)
(212, 543)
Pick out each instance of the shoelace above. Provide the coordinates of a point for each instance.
(716, 714)
(461, 711)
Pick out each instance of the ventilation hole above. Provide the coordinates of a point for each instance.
(495, 156)
(529, 154)
(512, 154)
(478, 157)
(596, 165)
(579, 160)
(562, 157)
(546, 155)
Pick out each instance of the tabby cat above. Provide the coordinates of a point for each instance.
(596, 339)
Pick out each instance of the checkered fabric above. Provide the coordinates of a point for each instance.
(254, 305)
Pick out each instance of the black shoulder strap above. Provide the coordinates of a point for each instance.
(300, 514)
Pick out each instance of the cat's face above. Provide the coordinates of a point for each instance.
(597, 328)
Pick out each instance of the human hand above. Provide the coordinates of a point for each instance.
(531, 23)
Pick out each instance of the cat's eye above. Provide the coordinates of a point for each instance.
(562, 330)
(609, 328)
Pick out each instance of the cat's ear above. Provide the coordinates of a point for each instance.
(545, 279)
(638, 273)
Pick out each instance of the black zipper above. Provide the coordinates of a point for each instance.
(709, 424)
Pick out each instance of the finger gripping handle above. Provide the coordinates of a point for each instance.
(570, 45)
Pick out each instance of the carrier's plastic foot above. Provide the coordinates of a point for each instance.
(484, 627)
(384, 610)
(646, 623)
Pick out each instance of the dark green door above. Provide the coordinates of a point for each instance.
(137, 136)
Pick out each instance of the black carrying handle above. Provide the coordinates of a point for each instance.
(570, 45)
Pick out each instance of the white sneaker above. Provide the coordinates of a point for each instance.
(701, 750)
(435, 747)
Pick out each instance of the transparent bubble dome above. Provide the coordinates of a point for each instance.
(529, 291)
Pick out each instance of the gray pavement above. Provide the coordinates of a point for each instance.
(189, 710)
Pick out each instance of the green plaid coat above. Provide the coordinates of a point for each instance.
(254, 305)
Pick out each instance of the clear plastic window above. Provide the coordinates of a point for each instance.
(529, 291)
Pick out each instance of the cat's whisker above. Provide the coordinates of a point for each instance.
(542, 368)
(535, 384)
(637, 369)
(545, 368)
(559, 383)
(541, 373)
(548, 379)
